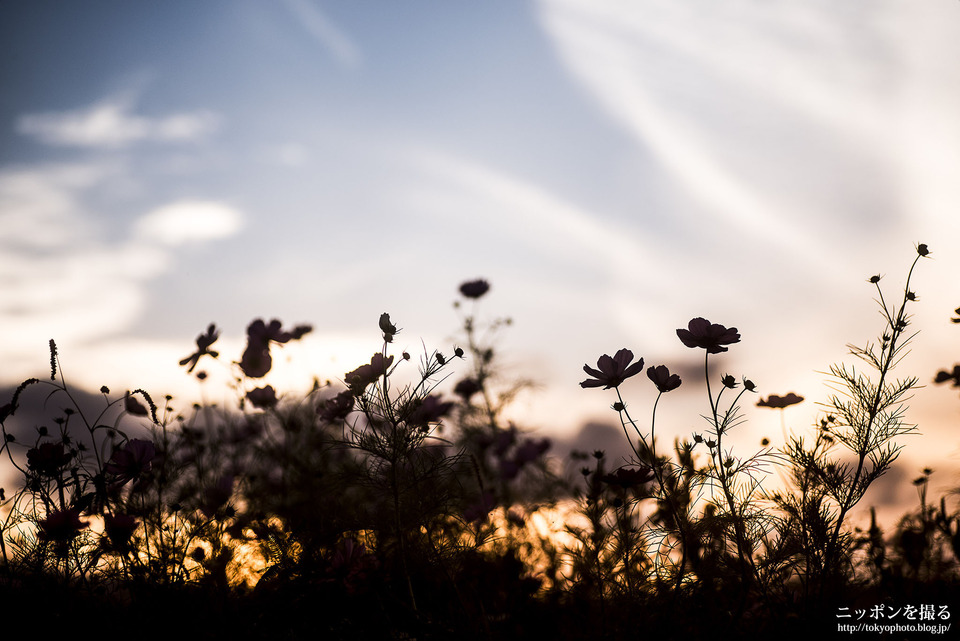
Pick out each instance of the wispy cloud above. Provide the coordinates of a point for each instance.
(58, 279)
(112, 123)
(189, 222)
(819, 131)
(787, 123)
(634, 70)
(316, 23)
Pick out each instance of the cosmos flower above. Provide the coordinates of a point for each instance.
(256, 360)
(389, 329)
(336, 408)
(530, 450)
(475, 288)
(663, 379)
(430, 409)
(466, 388)
(204, 341)
(48, 458)
(710, 336)
(61, 526)
(132, 460)
(358, 379)
(780, 402)
(611, 372)
(119, 529)
(263, 397)
(628, 477)
(943, 376)
(133, 406)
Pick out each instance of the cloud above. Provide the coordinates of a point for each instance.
(324, 31)
(641, 73)
(189, 222)
(112, 124)
(59, 279)
(38, 208)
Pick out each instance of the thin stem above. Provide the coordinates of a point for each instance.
(853, 495)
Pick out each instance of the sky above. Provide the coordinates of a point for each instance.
(614, 168)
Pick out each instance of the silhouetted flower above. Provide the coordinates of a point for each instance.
(780, 402)
(466, 388)
(119, 529)
(389, 329)
(611, 372)
(923, 250)
(663, 379)
(709, 336)
(728, 381)
(61, 526)
(430, 410)
(943, 376)
(263, 397)
(48, 458)
(475, 288)
(336, 408)
(273, 331)
(133, 406)
(358, 379)
(628, 477)
(204, 341)
(874, 279)
(256, 360)
(131, 461)
(530, 449)
(750, 385)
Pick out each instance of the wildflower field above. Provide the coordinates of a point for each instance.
(398, 503)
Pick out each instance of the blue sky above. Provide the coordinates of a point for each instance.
(614, 169)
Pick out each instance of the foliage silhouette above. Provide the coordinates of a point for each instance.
(399, 502)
